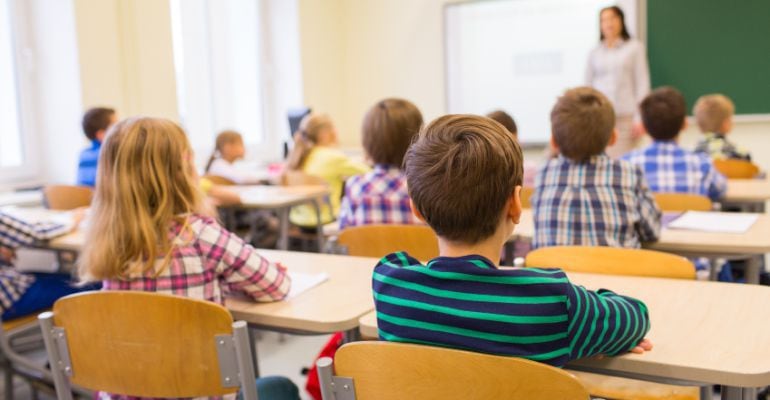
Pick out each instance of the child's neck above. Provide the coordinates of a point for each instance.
(489, 248)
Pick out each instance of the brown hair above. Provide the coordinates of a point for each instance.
(461, 171)
(712, 110)
(582, 121)
(95, 120)
(504, 119)
(223, 138)
(388, 129)
(663, 112)
(306, 138)
(621, 15)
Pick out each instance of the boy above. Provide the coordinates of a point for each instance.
(714, 114)
(96, 121)
(584, 197)
(668, 167)
(464, 175)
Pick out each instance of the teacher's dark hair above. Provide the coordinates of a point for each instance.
(619, 13)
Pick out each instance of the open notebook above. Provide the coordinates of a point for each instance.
(717, 222)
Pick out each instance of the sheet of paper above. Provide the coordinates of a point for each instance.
(718, 222)
(302, 282)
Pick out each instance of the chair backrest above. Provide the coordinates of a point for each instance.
(396, 371)
(299, 178)
(219, 180)
(64, 197)
(378, 240)
(611, 261)
(737, 169)
(683, 202)
(526, 194)
(147, 345)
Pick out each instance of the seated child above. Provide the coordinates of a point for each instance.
(315, 153)
(380, 196)
(714, 115)
(530, 168)
(584, 197)
(667, 166)
(147, 231)
(464, 174)
(96, 121)
(229, 149)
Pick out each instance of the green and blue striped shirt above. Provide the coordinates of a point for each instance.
(468, 303)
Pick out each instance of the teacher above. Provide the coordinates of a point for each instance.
(618, 68)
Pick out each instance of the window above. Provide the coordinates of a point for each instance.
(11, 150)
(237, 67)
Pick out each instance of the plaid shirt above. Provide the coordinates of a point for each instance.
(599, 202)
(670, 168)
(377, 197)
(15, 233)
(718, 147)
(208, 262)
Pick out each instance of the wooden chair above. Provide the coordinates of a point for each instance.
(674, 202)
(63, 197)
(397, 371)
(15, 361)
(219, 180)
(378, 240)
(147, 345)
(526, 194)
(612, 261)
(737, 169)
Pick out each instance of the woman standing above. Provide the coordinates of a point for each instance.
(618, 68)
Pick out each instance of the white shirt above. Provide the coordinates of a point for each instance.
(621, 73)
(221, 167)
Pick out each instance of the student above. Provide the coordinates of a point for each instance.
(714, 115)
(96, 121)
(464, 174)
(502, 117)
(667, 166)
(147, 232)
(380, 196)
(25, 294)
(583, 197)
(315, 153)
(229, 149)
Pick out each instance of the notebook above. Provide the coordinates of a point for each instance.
(301, 282)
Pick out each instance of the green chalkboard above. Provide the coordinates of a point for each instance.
(707, 46)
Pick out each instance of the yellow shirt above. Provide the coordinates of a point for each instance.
(334, 167)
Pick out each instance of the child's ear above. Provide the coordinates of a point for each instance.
(416, 212)
(684, 124)
(613, 137)
(514, 205)
(554, 146)
(99, 136)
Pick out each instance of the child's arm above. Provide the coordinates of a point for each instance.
(715, 182)
(346, 208)
(241, 267)
(604, 323)
(649, 213)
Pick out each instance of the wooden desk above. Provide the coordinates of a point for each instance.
(703, 332)
(748, 192)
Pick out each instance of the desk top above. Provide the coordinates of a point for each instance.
(748, 190)
(701, 331)
(269, 197)
(755, 241)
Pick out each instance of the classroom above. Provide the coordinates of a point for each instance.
(384, 199)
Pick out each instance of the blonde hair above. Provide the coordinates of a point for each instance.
(712, 110)
(306, 138)
(223, 138)
(146, 180)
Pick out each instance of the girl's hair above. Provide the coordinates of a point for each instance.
(224, 138)
(145, 181)
(622, 16)
(306, 138)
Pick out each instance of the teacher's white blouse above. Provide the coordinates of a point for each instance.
(621, 73)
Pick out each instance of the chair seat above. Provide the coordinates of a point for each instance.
(21, 321)
(610, 387)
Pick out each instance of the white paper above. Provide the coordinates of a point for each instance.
(718, 222)
(302, 282)
(36, 260)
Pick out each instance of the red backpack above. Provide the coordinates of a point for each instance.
(313, 386)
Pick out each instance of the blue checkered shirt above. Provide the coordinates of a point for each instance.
(669, 168)
(599, 202)
(377, 197)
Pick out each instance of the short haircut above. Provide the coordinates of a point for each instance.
(505, 120)
(96, 119)
(582, 121)
(711, 111)
(663, 113)
(461, 171)
(388, 129)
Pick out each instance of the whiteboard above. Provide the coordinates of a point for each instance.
(520, 56)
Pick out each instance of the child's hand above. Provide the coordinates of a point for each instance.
(644, 345)
(7, 255)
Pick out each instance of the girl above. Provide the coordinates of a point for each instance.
(147, 231)
(315, 153)
(229, 149)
